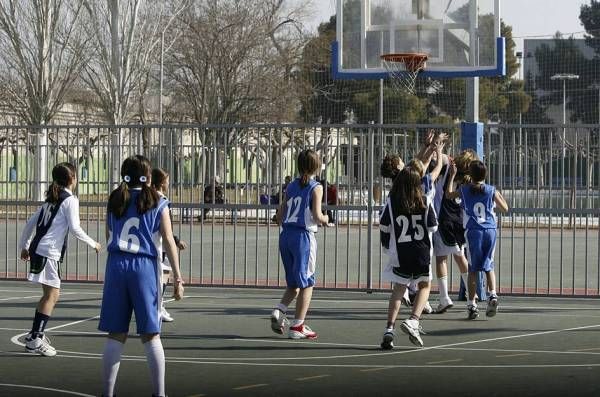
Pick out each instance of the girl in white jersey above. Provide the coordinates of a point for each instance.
(160, 182)
(46, 247)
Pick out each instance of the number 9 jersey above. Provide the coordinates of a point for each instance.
(135, 233)
(478, 207)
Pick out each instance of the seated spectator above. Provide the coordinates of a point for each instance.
(332, 199)
(213, 194)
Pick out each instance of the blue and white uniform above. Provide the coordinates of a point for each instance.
(479, 221)
(407, 242)
(133, 270)
(297, 243)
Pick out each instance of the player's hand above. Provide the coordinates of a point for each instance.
(25, 254)
(178, 289)
(453, 170)
(181, 245)
(429, 137)
(325, 220)
(442, 137)
(98, 247)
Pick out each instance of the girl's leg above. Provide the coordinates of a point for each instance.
(441, 268)
(278, 315)
(111, 360)
(491, 281)
(395, 303)
(421, 299)
(44, 310)
(463, 267)
(155, 355)
(472, 287)
(302, 303)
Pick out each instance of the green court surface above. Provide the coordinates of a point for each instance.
(221, 344)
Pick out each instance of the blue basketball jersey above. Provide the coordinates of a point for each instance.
(134, 233)
(478, 208)
(299, 204)
(427, 186)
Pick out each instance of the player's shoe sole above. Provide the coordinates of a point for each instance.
(413, 334)
(278, 321)
(388, 341)
(443, 308)
(472, 312)
(492, 307)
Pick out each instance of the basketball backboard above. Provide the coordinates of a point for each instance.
(461, 37)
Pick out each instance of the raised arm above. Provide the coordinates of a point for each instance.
(441, 160)
(450, 192)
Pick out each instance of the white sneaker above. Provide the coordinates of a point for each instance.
(492, 306)
(166, 316)
(427, 309)
(40, 346)
(302, 332)
(444, 305)
(411, 328)
(278, 321)
(388, 340)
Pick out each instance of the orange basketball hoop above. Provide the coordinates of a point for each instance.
(404, 69)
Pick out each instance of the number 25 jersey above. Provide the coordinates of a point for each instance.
(478, 208)
(136, 233)
(406, 238)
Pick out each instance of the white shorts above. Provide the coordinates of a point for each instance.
(441, 249)
(388, 275)
(166, 265)
(48, 276)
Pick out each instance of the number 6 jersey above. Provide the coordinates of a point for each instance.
(406, 240)
(136, 233)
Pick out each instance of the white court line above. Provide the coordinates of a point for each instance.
(252, 360)
(73, 393)
(21, 297)
(15, 339)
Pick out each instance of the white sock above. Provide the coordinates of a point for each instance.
(296, 322)
(389, 329)
(465, 279)
(443, 288)
(493, 292)
(111, 360)
(156, 362)
(282, 307)
(473, 303)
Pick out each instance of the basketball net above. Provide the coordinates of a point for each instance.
(404, 69)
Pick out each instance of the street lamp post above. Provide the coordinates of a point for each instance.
(564, 77)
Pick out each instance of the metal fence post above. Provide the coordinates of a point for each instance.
(370, 213)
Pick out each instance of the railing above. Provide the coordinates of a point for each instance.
(549, 174)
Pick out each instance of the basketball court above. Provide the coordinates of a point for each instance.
(221, 345)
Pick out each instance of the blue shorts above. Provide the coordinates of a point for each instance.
(480, 247)
(298, 249)
(131, 284)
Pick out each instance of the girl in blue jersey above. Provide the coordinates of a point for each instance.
(299, 215)
(46, 248)
(478, 201)
(406, 225)
(160, 182)
(136, 220)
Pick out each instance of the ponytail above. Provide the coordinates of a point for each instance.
(63, 175)
(52, 195)
(119, 200)
(304, 180)
(148, 199)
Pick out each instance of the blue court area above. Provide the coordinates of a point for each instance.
(221, 344)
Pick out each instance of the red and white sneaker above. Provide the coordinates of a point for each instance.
(302, 331)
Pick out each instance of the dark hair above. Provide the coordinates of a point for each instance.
(407, 194)
(159, 176)
(63, 175)
(389, 166)
(133, 171)
(478, 173)
(308, 164)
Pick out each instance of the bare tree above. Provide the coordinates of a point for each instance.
(43, 53)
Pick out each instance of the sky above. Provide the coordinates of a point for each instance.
(527, 17)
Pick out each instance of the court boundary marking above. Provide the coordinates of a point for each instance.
(22, 386)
